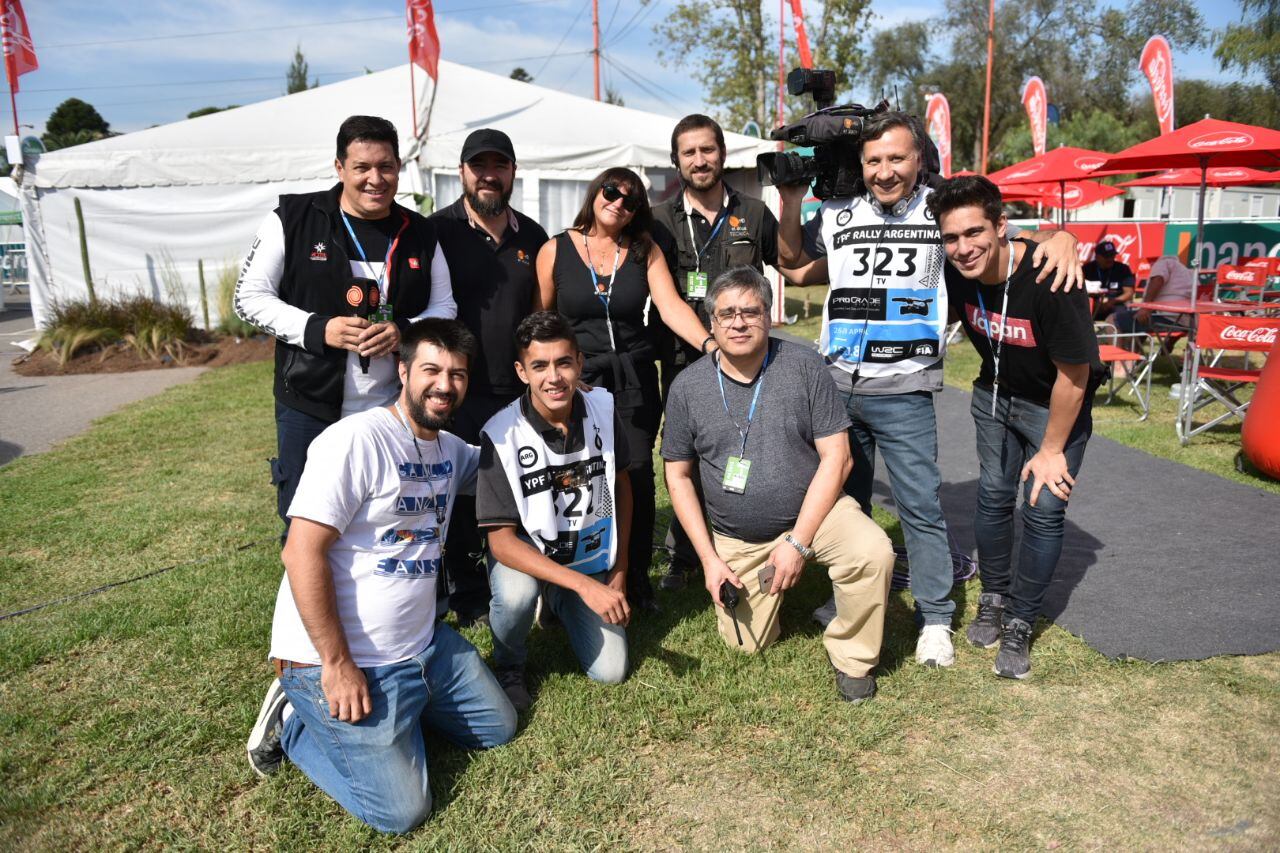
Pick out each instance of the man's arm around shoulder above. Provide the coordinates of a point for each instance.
(306, 560)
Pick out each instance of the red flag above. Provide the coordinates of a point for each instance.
(424, 42)
(802, 38)
(1037, 104)
(1157, 64)
(937, 118)
(19, 52)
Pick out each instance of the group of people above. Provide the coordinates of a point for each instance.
(485, 436)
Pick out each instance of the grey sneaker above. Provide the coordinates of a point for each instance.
(855, 690)
(826, 613)
(265, 753)
(511, 680)
(984, 630)
(1014, 658)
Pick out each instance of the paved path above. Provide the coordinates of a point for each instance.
(37, 412)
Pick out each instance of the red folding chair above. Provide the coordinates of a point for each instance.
(1271, 272)
(1210, 382)
(1245, 282)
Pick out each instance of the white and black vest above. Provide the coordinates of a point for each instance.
(565, 500)
(886, 312)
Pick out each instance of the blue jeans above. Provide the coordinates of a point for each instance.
(377, 768)
(295, 431)
(905, 429)
(601, 648)
(1005, 443)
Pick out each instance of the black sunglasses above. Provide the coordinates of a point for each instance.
(611, 194)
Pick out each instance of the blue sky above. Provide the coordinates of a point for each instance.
(146, 62)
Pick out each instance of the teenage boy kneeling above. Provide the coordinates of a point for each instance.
(1032, 406)
(555, 497)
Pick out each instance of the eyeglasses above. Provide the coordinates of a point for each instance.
(750, 316)
(612, 193)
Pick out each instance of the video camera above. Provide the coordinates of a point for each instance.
(834, 133)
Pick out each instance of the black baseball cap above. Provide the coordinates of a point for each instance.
(485, 140)
(1106, 247)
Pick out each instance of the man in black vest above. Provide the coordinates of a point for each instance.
(298, 284)
(704, 230)
(491, 249)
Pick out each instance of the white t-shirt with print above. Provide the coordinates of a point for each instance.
(363, 477)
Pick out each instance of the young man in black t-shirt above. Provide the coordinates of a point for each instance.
(1032, 406)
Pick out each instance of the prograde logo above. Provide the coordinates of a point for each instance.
(1221, 139)
(1255, 335)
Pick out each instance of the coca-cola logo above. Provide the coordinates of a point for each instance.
(1221, 174)
(1072, 195)
(1088, 164)
(1253, 335)
(1158, 73)
(1240, 276)
(1221, 139)
(1025, 173)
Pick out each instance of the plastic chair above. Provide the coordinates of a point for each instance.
(1209, 381)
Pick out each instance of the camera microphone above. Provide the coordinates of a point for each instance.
(729, 599)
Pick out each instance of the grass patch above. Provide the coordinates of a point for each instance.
(123, 715)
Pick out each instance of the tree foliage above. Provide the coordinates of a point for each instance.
(1254, 43)
(71, 117)
(518, 73)
(295, 78)
(1085, 53)
(208, 111)
(730, 48)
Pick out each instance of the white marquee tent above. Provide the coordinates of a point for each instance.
(158, 200)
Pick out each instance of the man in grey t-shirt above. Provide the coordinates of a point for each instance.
(761, 424)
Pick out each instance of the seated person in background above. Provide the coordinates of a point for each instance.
(1169, 281)
(1032, 407)
(363, 665)
(761, 424)
(555, 497)
(1115, 278)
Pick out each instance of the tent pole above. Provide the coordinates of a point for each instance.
(986, 102)
(1187, 398)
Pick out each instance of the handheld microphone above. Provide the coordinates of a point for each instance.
(363, 297)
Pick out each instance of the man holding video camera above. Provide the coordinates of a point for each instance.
(883, 335)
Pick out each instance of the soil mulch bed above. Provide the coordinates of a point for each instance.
(120, 358)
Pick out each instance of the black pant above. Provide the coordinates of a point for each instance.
(676, 358)
(295, 431)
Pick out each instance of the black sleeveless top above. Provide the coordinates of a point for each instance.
(577, 300)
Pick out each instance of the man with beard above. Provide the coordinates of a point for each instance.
(362, 665)
(704, 230)
(491, 249)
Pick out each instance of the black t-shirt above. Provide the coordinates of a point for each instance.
(1114, 279)
(493, 284)
(495, 502)
(1038, 328)
(577, 300)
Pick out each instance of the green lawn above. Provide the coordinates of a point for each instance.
(123, 715)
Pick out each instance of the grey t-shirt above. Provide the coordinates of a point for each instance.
(798, 404)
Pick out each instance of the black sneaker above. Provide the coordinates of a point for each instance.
(265, 752)
(984, 630)
(470, 620)
(855, 690)
(676, 578)
(1014, 658)
(511, 680)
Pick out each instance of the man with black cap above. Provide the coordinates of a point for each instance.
(491, 249)
(704, 230)
(1115, 278)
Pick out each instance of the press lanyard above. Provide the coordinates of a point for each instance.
(715, 229)
(755, 398)
(604, 294)
(383, 293)
(426, 473)
(998, 346)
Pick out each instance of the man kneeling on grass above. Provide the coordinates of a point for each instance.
(362, 663)
(555, 496)
(761, 423)
(1032, 406)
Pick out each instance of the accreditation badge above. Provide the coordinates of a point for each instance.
(695, 284)
(384, 313)
(735, 475)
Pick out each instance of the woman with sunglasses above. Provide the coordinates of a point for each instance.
(600, 274)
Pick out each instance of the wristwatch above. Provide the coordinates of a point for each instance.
(805, 552)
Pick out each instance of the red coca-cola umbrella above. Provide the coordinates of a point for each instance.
(1062, 165)
(1218, 176)
(1066, 195)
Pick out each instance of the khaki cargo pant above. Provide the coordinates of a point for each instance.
(859, 560)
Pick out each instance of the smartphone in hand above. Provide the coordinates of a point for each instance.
(766, 579)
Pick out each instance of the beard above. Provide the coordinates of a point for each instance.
(417, 409)
(488, 208)
(703, 180)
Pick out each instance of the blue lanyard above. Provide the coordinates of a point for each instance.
(724, 214)
(386, 263)
(755, 398)
(604, 294)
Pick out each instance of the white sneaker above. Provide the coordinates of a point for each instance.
(934, 646)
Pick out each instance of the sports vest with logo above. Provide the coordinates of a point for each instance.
(565, 500)
(886, 312)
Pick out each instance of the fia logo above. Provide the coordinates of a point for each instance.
(318, 252)
(527, 456)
